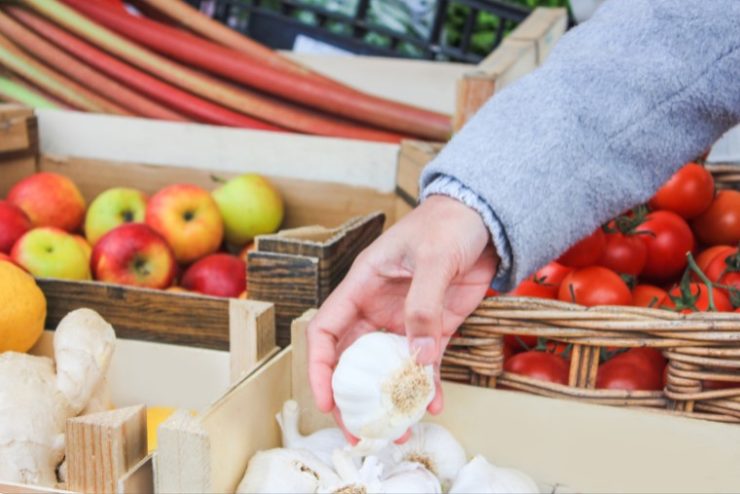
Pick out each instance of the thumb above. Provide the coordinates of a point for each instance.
(424, 308)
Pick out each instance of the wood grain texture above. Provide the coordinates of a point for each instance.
(139, 479)
(15, 127)
(6, 488)
(183, 455)
(298, 269)
(102, 448)
(251, 335)
(543, 27)
(143, 314)
(306, 202)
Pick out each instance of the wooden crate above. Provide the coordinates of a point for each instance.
(210, 453)
(350, 217)
(106, 452)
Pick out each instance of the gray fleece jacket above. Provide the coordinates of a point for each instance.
(623, 101)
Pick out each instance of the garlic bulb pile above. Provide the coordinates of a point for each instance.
(479, 476)
(380, 390)
(432, 446)
(284, 471)
(322, 443)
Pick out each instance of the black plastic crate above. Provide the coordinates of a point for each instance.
(278, 23)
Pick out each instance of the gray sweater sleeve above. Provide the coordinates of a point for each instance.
(623, 101)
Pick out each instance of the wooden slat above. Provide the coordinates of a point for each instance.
(251, 335)
(17, 126)
(543, 28)
(102, 448)
(306, 202)
(138, 313)
(6, 488)
(412, 159)
(138, 480)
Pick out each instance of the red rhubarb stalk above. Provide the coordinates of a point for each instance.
(203, 25)
(230, 64)
(52, 82)
(258, 106)
(83, 74)
(180, 101)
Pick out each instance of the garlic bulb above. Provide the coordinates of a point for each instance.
(322, 443)
(479, 476)
(285, 471)
(380, 390)
(405, 478)
(411, 478)
(432, 446)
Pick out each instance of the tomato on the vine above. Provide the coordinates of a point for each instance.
(625, 254)
(520, 343)
(725, 269)
(529, 288)
(648, 296)
(490, 292)
(720, 223)
(705, 257)
(558, 348)
(628, 376)
(688, 193)
(594, 285)
(650, 357)
(552, 273)
(539, 365)
(696, 299)
(668, 239)
(586, 252)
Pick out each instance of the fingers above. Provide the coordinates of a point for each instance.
(334, 318)
(424, 307)
(406, 436)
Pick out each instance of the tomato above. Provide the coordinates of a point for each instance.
(712, 385)
(595, 285)
(708, 255)
(529, 288)
(586, 252)
(552, 274)
(698, 301)
(636, 369)
(626, 375)
(720, 223)
(559, 348)
(624, 254)
(725, 269)
(539, 365)
(668, 238)
(648, 296)
(520, 343)
(688, 193)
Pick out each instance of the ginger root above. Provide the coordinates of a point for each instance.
(36, 398)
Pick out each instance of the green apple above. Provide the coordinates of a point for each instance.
(250, 206)
(113, 208)
(50, 252)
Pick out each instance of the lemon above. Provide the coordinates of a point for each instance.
(154, 417)
(22, 309)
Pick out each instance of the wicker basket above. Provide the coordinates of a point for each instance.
(698, 346)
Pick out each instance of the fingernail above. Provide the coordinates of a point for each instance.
(425, 350)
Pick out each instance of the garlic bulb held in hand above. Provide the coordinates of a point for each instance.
(479, 476)
(380, 390)
(432, 446)
(322, 443)
(285, 471)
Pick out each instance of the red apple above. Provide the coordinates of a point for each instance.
(133, 254)
(13, 224)
(188, 219)
(49, 199)
(221, 275)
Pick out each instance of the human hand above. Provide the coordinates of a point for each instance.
(421, 278)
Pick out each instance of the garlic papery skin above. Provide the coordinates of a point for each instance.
(379, 388)
(434, 447)
(479, 476)
(322, 443)
(285, 471)
(354, 480)
(410, 478)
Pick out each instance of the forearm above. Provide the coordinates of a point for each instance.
(624, 100)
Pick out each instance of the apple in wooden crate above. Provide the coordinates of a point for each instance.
(13, 224)
(250, 206)
(50, 252)
(113, 208)
(188, 219)
(49, 199)
(134, 254)
(220, 275)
